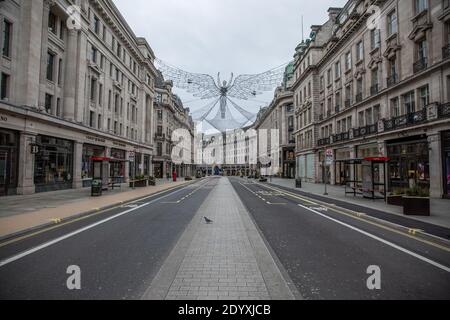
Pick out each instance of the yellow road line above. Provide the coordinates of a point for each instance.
(411, 234)
(59, 225)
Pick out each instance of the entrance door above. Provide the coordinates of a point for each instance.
(3, 172)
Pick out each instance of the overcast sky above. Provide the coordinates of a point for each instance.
(210, 36)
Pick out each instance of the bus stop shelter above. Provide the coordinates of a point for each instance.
(369, 177)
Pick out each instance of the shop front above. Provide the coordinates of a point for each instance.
(342, 169)
(305, 164)
(8, 161)
(90, 152)
(53, 168)
(289, 163)
(446, 162)
(409, 163)
(117, 167)
(367, 151)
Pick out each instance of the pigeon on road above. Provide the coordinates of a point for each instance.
(208, 221)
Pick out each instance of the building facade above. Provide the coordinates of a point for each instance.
(374, 82)
(170, 115)
(279, 115)
(72, 89)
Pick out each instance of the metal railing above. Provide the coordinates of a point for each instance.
(446, 52)
(364, 131)
(444, 110)
(343, 136)
(323, 142)
(374, 89)
(359, 97)
(405, 120)
(348, 103)
(392, 80)
(420, 65)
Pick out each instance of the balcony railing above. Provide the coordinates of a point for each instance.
(328, 113)
(406, 120)
(374, 89)
(446, 52)
(348, 103)
(359, 97)
(420, 65)
(337, 109)
(444, 110)
(320, 117)
(343, 136)
(323, 142)
(292, 141)
(291, 128)
(392, 80)
(364, 131)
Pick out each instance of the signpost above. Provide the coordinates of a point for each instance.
(329, 158)
(131, 159)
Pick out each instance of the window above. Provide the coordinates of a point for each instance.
(348, 61)
(361, 118)
(7, 35)
(422, 50)
(409, 102)
(91, 119)
(115, 127)
(94, 54)
(369, 117)
(159, 149)
(96, 25)
(109, 99)
(359, 51)
(109, 124)
(58, 107)
(60, 64)
(395, 108)
(50, 66)
(100, 94)
(376, 114)
(424, 97)
(329, 76)
(421, 5)
(4, 92)
(93, 88)
(321, 83)
(374, 80)
(375, 38)
(337, 69)
(392, 23)
(160, 115)
(52, 23)
(99, 121)
(48, 102)
(392, 71)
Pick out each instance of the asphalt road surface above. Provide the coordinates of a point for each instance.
(118, 258)
(327, 254)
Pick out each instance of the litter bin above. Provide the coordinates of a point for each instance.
(298, 183)
(96, 188)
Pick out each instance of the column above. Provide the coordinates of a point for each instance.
(77, 165)
(127, 167)
(30, 51)
(435, 157)
(70, 77)
(25, 179)
(353, 155)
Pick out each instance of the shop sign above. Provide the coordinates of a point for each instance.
(95, 139)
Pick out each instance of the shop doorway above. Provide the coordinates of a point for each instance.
(3, 172)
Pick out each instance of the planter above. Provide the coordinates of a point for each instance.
(188, 178)
(416, 206)
(395, 200)
(151, 182)
(138, 183)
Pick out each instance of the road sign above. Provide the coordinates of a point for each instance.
(131, 156)
(329, 157)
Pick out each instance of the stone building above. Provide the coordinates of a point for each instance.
(279, 115)
(170, 115)
(374, 82)
(76, 84)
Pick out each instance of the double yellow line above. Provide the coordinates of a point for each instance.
(59, 224)
(411, 233)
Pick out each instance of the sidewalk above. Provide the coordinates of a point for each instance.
(440, 212)
(225, 260)
(21, 213)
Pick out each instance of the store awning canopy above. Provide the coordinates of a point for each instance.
(107, 159)
(368, 159)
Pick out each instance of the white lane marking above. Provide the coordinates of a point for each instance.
(74, 233)
(393, 245)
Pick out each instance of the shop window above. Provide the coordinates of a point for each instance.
(424, 97)
(53, 164)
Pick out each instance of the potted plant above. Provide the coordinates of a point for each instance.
(396, 197)
(151, 181)
(138, 182)
(188, 178)
(416, 202)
